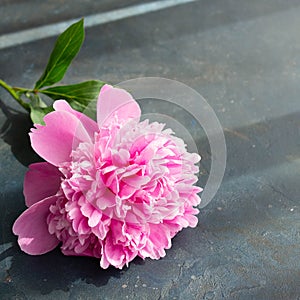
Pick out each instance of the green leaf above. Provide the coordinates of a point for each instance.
(36, 101)
(37, 114)
(79, 95)
(38, 109)
(65, 49)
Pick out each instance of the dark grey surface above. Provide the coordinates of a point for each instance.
(19, 15)
(244, 58)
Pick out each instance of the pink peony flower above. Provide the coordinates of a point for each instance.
(112, 189)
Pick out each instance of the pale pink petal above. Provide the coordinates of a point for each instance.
(113, 101)
(61, 134)
(104, 263)
(42, 180)
(95, 218)
(107, 199)
(193, 220)
(89, 124)
(159, 240)
(120, 158)
(136, 181)
(32, 228)
(114, 254)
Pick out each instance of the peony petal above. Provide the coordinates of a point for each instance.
(42, 180)
(32, 228)
(61, 134)
(90, 125)
(107, 199)
(95, 218)
(116, 101)
(159, 240)
(136, 181)
(114, 254)
(120, 158)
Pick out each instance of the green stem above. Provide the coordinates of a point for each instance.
(22, 90)
(14, 94)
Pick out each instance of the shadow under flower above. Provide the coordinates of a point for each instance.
(53, 271)
(15, 131)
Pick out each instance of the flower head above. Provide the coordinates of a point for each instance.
(112, 189)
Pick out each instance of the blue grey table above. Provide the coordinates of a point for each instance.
(244, 58)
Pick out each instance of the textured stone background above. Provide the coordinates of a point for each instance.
(244, 58)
